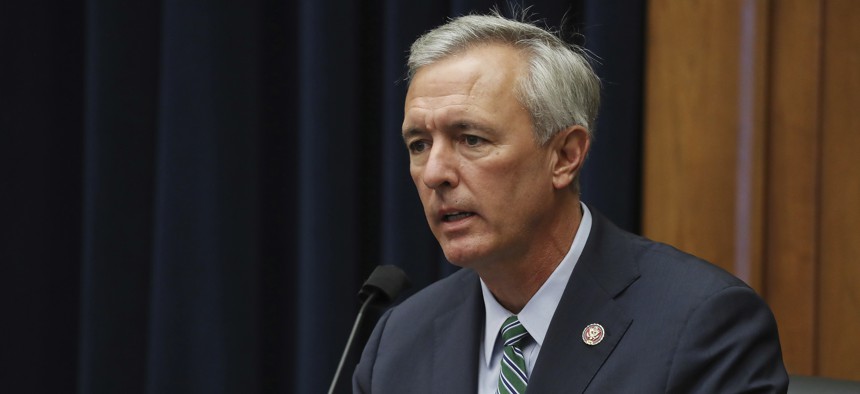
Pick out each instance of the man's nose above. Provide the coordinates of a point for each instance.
(441, 167)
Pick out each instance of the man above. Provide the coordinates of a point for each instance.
(552, 297)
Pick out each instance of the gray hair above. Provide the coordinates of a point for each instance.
(561, 89)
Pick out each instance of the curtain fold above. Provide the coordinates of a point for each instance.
(118, 177)
(193, 192)
(614, 30)
(41, 139)
(328, 186)
(203, 322)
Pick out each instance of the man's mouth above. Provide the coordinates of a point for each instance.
(454, 216)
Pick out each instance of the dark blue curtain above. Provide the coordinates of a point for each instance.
(193, 191)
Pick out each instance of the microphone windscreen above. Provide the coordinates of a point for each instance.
(388, 280)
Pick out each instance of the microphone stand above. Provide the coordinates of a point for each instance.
(383, 286)
(351, 338)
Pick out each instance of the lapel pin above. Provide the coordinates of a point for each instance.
(593, 334)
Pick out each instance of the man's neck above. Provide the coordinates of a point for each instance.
(513, 283)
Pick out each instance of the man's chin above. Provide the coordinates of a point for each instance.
(463, 258)
(453, 258)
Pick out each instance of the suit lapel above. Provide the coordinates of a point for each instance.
(456, 342)
(605, 268)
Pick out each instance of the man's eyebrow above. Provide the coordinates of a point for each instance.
(465, 124)
(415, 131)
(411, 132)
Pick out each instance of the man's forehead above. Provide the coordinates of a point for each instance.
(421, 112)
(465, 79)
(486, 64)
(447, 79)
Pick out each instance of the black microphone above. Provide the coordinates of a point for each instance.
(382, 286)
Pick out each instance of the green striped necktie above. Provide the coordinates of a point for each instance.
(513, 378)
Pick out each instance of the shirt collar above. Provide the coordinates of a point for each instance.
(538, 312)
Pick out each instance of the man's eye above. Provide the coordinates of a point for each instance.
(471, 140)
(417, 146)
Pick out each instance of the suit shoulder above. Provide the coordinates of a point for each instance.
(669, 275)
(619, 253)
(667, 260)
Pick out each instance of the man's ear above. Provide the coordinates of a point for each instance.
(569, 148)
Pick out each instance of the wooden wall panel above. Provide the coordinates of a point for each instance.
(752, 158)
(839, 334)
(684, 52)
(693, 82)
(792, 178)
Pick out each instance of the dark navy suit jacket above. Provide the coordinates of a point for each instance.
(673, 323)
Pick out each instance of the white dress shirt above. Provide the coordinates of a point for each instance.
(535, 316)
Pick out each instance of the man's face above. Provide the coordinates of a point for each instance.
(485, 183)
